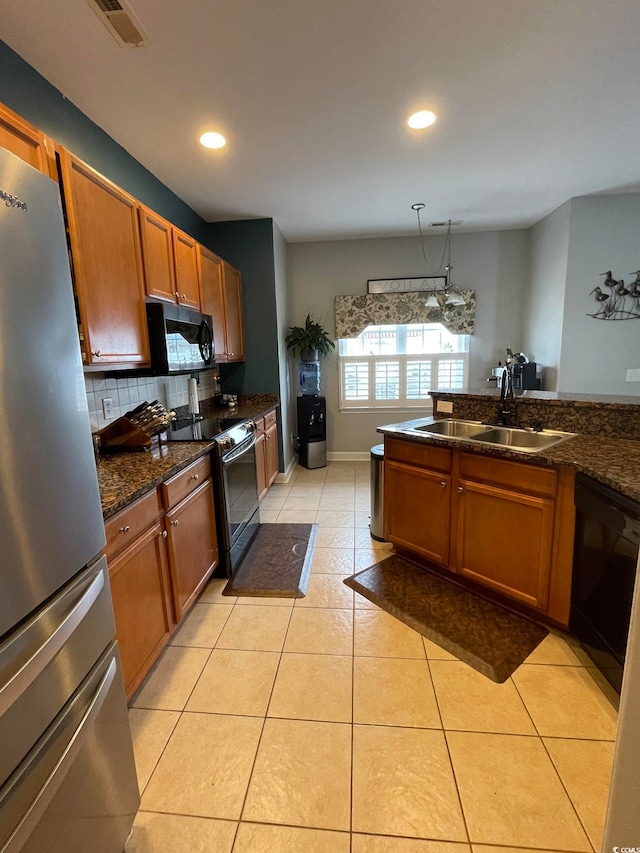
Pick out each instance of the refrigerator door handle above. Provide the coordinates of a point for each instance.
(20, 680)
(47, 791)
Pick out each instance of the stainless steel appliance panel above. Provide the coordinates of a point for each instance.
(50, 515)
(44, 662)
(76, 790)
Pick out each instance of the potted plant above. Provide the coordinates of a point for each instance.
(308, 342)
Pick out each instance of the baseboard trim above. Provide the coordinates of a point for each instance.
(288, 474)
(353, 456)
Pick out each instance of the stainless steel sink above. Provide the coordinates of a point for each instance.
(452, 428)
(522, 439)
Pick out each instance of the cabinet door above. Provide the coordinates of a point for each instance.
(417, 510)
(107, 265)
(185, 251)
(24, 140)
(213, 298)
(193, 546)
(141, 604)
(504, 540)
(157, 256)
(233, 313)
(261, 464)
(271, 454)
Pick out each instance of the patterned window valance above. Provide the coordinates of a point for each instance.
(355, 313)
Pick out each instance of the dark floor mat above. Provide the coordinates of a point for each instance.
(277, 563)
(488, 637)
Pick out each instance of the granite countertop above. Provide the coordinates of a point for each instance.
(124, 477)
(551, 397)
(612, 461)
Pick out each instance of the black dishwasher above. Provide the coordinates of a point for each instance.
(604, 573)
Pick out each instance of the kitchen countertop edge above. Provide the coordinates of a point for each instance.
(614, 462)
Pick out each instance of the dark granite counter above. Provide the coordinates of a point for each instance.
(612, 461)
(124, 477)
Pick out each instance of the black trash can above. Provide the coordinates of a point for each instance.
(377, 493)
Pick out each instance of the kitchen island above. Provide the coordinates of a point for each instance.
(500, 518)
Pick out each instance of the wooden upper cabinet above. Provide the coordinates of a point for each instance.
(107, 265)
(213, 298)
(26, 142)
(233, 312)
(157, 255)
(185, 252)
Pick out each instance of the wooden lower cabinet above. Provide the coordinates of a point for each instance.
(504, 539)
(417, 510)
(139, 578)
(193, 546)
(261, 468)
(267, 456)
(271, 452)
(506, 525)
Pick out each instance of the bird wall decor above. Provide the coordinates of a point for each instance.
(617, 301)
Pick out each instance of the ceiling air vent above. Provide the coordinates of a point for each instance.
(444, 224)
(119, 19)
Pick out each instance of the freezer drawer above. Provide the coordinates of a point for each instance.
(47, 659)
(76, 790)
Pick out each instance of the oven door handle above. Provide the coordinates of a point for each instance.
(239, 451)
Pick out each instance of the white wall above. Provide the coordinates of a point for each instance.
(492, 263)
(543, 307)
(604, 234)
(287, 421)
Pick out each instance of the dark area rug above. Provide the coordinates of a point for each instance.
(277, 563)
(488, 637)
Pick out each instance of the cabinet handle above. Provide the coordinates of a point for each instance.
(125, 529)
(163, 533)
(175, 523)
(195, 477)
(95, 353)
(184, 296)
(177, 295)
(459, 488)
(443, 483)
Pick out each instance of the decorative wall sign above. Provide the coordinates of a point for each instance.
(617, 301)
(406, 285)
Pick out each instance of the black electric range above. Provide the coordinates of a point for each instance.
(205, 428)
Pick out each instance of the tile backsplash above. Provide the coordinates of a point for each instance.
(126, 393)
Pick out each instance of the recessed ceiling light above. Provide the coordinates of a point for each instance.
(213, 140)
(424, 118)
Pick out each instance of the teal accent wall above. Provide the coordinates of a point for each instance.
(248, 245)
(27, 92)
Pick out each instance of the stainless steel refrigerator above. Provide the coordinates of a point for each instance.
(67, 776)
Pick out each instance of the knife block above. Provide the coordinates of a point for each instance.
(123, 436)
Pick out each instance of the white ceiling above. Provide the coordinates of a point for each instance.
(537, 102)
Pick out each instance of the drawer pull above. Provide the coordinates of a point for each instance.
(175, 523)
(459, 488)
(195, 477)
(125, 529)
(96, 353)
(163, 534)
(443, 483)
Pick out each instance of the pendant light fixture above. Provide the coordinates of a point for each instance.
(448, 295)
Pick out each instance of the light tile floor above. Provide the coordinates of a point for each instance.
(325, 725)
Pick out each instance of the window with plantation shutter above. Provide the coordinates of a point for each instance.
(395, 367)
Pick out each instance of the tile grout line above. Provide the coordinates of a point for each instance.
(264, 722)
(548, 754)
(446, 743)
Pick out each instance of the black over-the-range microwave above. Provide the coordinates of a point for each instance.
(180, 339)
